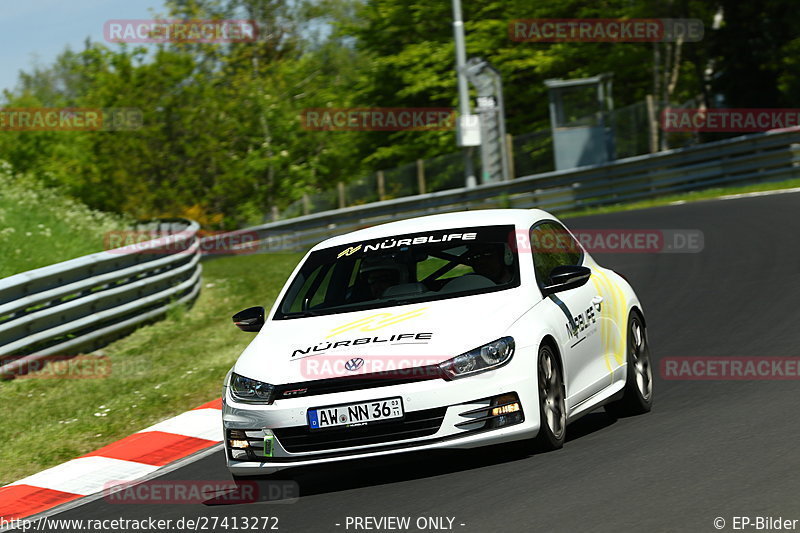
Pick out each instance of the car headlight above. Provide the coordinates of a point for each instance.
(487, 357)
(251, 390)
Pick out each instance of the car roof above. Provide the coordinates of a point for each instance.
(461, 219)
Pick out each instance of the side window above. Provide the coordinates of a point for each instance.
(552, 246)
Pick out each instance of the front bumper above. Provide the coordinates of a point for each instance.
(438, 414)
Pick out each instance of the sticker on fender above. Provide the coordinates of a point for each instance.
(355, 414)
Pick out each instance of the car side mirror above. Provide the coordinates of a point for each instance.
(251, 319)
(565, 277)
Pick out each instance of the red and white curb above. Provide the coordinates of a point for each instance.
(128, 459)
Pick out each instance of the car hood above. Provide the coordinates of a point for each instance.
(405, 336)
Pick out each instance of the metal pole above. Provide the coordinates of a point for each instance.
(463, 89)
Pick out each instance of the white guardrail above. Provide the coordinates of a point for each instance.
(81, 304)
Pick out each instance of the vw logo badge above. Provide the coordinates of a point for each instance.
(354, 364)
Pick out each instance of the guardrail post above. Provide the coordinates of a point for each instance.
(340, 186)
(381, 186)
(421, 175)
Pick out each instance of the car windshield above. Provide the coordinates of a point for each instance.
(410, 268)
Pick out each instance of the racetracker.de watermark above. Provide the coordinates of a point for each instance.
(211, 492)
(711, 368)
(605, 30)
(728, 120)
(70, 118)
(241, 242)
(378, 119)
(180, 31)
(58, 366)
(380, 366)
(609, 241)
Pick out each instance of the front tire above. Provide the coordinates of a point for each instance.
(637, 397)
(552, 402)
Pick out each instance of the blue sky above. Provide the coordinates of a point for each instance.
(35, 31)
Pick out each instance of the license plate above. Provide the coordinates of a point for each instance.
(355, 414)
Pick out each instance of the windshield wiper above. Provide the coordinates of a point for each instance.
(397, 301)
(303, 314)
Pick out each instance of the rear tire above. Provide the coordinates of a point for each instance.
(637, 397)
(552, 402)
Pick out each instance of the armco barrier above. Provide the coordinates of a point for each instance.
(742, 160)
(84, 303)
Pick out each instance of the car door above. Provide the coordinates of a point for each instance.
(580, 343)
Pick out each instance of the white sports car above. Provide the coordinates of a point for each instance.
(448, 331)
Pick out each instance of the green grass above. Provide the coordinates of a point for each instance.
(40, 226)
(157, 372)
(170, 366)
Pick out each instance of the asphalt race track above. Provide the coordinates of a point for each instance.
(709, 449)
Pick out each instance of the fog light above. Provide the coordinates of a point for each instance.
(506, 409)
(237, 440)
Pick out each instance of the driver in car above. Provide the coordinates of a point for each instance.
(491, 260)
(380, 275)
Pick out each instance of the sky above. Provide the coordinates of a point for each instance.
(34, 32)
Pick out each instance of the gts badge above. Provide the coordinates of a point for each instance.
(579, 323)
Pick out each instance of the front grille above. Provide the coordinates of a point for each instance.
(356, 382)
(300, 439)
